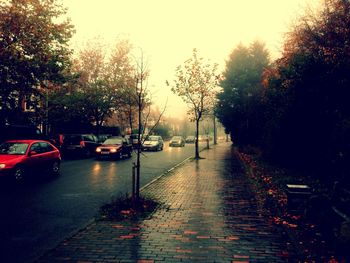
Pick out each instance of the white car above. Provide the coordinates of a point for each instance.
(153, 143)
(177, 141)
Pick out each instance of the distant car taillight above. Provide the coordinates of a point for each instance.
(82, 143)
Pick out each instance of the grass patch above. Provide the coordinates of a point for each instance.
(122, 208)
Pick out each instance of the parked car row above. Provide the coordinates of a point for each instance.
(27, 154)
(201, 138)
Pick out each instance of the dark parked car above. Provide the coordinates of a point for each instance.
(57, 140)
(177, 141)
(21, 158)
(114, 147)
(153, 143)
(82, 145)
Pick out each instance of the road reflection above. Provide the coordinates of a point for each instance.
(174, 149)
(105, 172)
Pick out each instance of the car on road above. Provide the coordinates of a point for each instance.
(134, 140)
(79, 145)
(114, 147)
(204, 138)
(102, 137)
(177, 141)
(190, 139)
(21, 158)
(153, 143)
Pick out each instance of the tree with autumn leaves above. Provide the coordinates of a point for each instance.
(238, 107)
(313, 81)
(101, 90)
(37, 67)
(196, 82)
(33, 51)
(303, 106)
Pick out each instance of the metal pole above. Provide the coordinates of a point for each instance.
(133, 181)
(47, 110)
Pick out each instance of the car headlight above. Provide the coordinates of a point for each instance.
(2, 165)
(98, 150)
(113, 150)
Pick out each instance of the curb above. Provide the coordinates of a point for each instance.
(166, 172)
(36, 258)
(93, 220)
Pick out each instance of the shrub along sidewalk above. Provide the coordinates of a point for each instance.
(317, 231)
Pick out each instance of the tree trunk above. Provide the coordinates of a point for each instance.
(130, 119)
(215, 131)
(138, 162)
(196, 141)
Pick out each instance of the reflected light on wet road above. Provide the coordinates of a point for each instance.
(174, 149)
(96, 168)
(99, 173)
(112, 173)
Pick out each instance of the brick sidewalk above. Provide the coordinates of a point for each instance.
(209, 215)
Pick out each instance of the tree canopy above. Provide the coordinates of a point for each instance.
(237, 107)
(301, 109)
(33, 49)
(195, 83)
(102, 87)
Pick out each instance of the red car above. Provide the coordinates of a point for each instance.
(19, 158)
(114, 147)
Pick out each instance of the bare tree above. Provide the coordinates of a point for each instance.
(143, 102)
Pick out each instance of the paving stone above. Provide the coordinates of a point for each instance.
(209, 214)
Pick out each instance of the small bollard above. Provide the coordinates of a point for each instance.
(297, 195)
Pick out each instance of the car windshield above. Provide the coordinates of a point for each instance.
(177, 138)
(14, 148)
(113, 141)
(152, 138)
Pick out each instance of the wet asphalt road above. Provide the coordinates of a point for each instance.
(37, 215)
